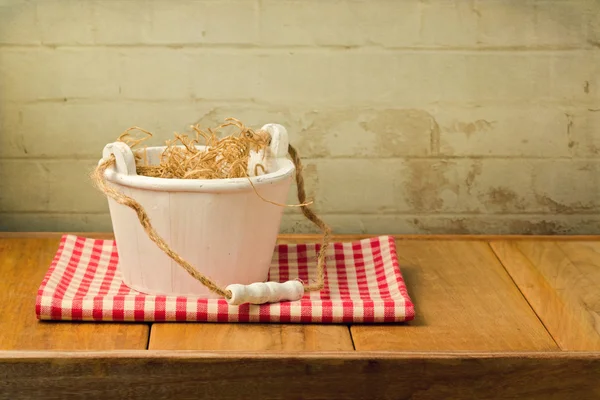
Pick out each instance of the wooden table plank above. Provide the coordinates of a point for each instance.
(250, 337)
(23, 263)
(253, 337)
(464, 300)
(359, 375)
(562, 283)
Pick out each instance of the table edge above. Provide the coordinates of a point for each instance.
(358, 375)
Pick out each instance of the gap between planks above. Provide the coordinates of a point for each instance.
(464, 301)
(23, 264)
(533, 310)
(560, 280)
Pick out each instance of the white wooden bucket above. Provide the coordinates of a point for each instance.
(220, 226)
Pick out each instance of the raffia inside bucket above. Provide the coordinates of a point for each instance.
(202, 220)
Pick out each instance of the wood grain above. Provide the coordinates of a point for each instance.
(562, 283)
(309, 376)
(250, 337)
(464, 300)
(23, 264)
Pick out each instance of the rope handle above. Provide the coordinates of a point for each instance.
(235, 294)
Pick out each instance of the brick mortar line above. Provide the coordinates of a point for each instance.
(276, 49)
(518, 104)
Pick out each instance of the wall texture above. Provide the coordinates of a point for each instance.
(430, 116)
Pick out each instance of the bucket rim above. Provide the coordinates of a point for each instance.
(285, 171)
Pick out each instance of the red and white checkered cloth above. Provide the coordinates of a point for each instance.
(363, 285)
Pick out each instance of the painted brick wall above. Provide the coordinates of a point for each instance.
(433, 116)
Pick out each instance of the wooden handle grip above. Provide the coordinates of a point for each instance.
(265, 292)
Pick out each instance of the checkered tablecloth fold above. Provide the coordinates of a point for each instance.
(363, 285)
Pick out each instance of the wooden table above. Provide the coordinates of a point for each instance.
(497, 317)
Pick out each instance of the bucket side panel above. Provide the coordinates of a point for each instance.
(195, 238)
(124, 222)
(154, 265)
(262, 222)
(228, 237)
